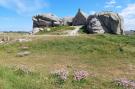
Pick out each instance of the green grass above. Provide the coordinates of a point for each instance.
(55, 30)
(83, 30)
(106, 56)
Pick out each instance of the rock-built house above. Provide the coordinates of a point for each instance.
(102, 22)
(80, 18)
(50, 20)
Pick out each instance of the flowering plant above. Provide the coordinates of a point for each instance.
(128, 84)
(62, 74)
(79, 75)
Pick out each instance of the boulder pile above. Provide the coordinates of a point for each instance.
(105, 22)
(102, 22)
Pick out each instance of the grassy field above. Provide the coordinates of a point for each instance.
(105, 57)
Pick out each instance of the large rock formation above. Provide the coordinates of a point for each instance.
(94, 25)
(107, 22)
(80, 18)
(46, 20)
(103, 22)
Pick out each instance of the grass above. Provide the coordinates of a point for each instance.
(83, 30)
(55, 30)
(106, 56)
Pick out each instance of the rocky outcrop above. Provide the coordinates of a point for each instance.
(102, 22)
(46, 20)
(107, 22)
(80, 18)
(94, 25)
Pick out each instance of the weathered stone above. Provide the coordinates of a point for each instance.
(41, 23)
(80, 18)
(108, 21)
(36, 30)
(21, 40)
(94, 25)
(22, 54)
(1, 42)
(67, 21)
(46, 20)
(24, 48)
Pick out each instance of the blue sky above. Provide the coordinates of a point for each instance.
(16, 15)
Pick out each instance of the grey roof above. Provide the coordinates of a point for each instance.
(84, 14)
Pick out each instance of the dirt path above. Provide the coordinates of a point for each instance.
(75, 31)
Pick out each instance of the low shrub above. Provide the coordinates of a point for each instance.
(61, 74)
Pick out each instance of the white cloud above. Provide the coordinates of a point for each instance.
(112, 4)
(23, 6)
(129, 16)
(119, 6)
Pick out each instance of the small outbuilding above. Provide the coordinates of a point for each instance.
(80, 18)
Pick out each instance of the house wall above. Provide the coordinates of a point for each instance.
(79, 19)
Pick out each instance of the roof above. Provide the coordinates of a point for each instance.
(83, 13)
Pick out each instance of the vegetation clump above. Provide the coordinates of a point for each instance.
(125, 83)
(80, 75)
(55, 29)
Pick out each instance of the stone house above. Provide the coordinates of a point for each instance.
(80, 18)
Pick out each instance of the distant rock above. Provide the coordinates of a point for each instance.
(21, 40)
(22, 54)
(24, 48)
(67, 21)
(108, 21)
